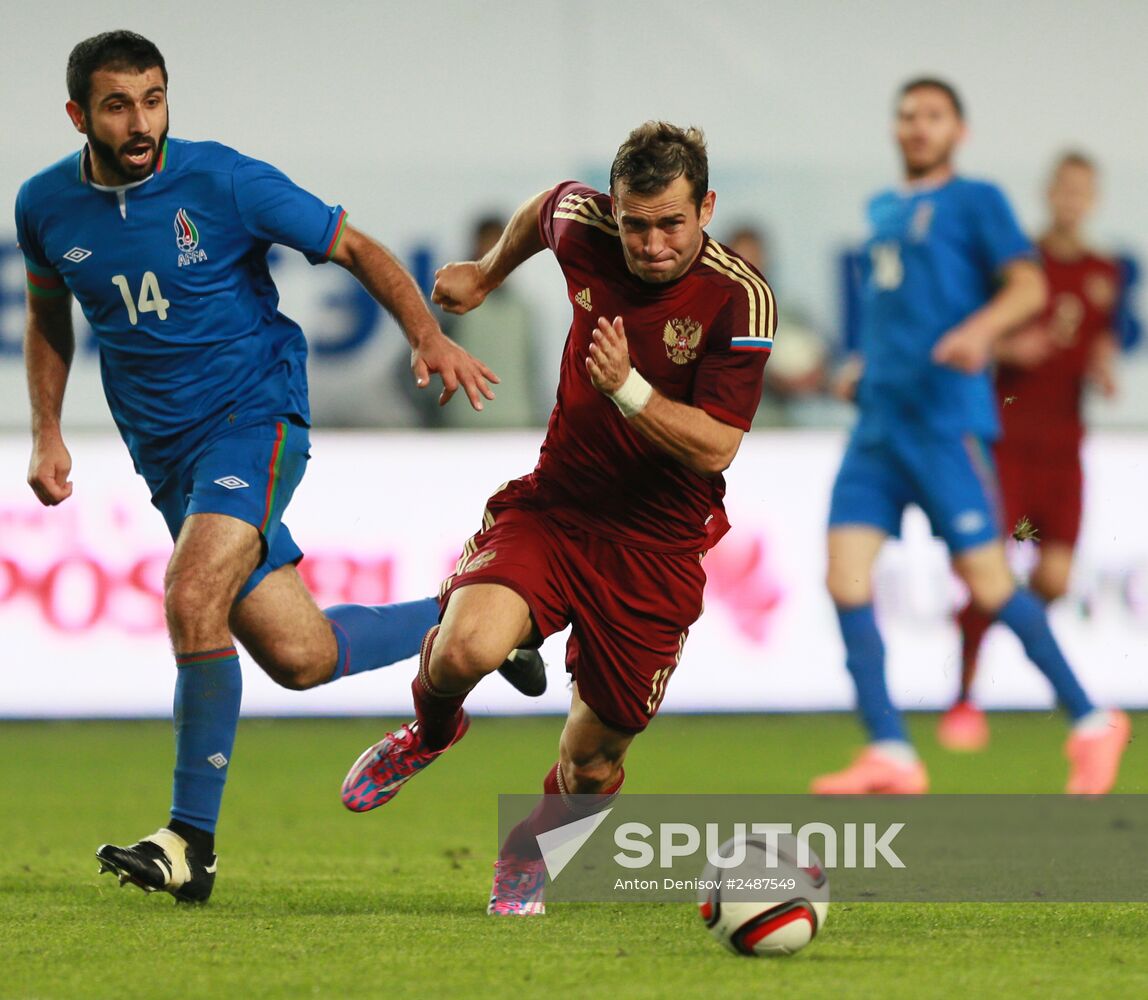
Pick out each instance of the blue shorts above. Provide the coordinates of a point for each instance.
(249, 473)
(951, 478)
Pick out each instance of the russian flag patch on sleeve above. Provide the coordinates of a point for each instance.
(751, 344)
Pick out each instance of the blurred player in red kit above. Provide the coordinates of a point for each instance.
(660, 378)
(1043, 369)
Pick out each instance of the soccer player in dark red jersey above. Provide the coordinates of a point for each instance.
(1042, 372)
(660, 378)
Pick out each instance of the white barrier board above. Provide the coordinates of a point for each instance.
(382, 518)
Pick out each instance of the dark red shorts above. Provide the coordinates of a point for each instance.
(630, 609)
(1048, 491)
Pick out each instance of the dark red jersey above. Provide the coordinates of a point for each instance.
(1041, 406)
(702, 339)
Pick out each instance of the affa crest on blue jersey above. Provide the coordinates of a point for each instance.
(922, 220)
(187, 239)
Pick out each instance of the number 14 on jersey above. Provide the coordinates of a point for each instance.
(150, 297)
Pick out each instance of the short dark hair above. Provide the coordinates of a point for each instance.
(933, 83)
(655, 154)
(111, 50)
(1073, 158)
(492, 222)
(486, 231)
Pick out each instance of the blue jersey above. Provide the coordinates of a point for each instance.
(934, 258)
(171, 273)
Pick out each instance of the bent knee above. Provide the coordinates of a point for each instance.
(848, 589)
(290, 681)
(467, 651)
(296, 668)
(187, 597)
(588, 777)
(1052, 574)
(1049, 587)
(989, 594)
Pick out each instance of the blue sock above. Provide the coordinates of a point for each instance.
(1026, 616)
(865, 660)
(373, 637)
(208, 689)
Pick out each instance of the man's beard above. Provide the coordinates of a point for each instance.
(110, 159)
(922, 167)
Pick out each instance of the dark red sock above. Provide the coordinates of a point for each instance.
(438, 712)
(973, 624)
(554, 809)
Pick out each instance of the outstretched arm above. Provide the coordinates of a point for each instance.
(686, 433)
(432, 351)
(460, 287)
(1101, 370)
(969, 346)
(1025, 347)
(49, 344)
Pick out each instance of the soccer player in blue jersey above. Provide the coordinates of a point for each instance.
(948, 272)
(164, 243)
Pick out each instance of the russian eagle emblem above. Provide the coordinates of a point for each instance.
(682, 337)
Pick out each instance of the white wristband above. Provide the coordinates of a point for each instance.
(633, 394)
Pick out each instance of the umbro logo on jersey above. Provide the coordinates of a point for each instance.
(77, 254)
(583, 299)
(231, 483)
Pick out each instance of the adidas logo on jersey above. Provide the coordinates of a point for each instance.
(583, 299)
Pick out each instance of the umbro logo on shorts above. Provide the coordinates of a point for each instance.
(231, 483)
(969, 522)
(77, 254)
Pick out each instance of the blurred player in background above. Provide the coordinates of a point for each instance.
(797, 374)
(949, 273)
(1042, 371)
(660, 378)
(504, 332)
(164, 242)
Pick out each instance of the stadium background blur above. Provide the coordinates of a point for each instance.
(420, 119)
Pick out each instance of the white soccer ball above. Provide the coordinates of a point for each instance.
(765, 905)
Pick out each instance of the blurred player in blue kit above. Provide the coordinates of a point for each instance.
(164, 243)
(948, 272)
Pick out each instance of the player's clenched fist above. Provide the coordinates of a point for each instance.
(609, 359)
(459, 287)
(48, 473)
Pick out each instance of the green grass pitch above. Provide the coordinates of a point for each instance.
(314, 901)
